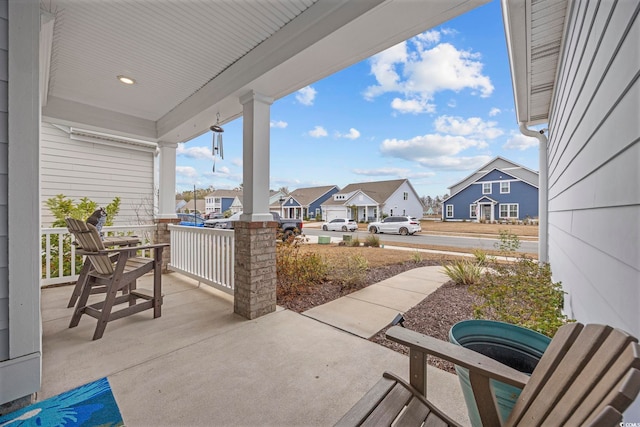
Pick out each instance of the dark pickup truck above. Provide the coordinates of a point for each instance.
(287, 226)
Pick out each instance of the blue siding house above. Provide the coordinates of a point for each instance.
(501, 190)
(306, 202)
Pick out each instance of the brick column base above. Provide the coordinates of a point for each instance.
(255, 269)
(163, 235)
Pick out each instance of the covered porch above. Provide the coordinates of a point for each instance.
(201, 364)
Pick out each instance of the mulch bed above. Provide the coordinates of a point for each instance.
(310, 296)
(433, 316)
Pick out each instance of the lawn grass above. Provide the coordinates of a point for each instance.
(524, 232)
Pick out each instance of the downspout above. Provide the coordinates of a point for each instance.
(543, 192)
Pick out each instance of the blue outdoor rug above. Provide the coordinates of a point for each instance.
(90, 405)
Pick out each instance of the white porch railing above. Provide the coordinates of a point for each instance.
(204, 254)
(58, 252)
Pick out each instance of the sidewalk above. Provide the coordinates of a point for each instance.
(367, 311)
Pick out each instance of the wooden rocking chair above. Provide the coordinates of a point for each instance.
(114, 270)
(587, 376)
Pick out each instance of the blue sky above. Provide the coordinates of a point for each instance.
(432, 109)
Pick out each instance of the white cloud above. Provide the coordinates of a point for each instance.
(306, 95)
(278, 124)
(353, 134)
(400, 172)
(194, 152)
(518, 141)
(186, 171)
(473, 127)
(418, 72)
(429, 37)
(318, 132)
(494, 112)
(237, 162)
(436, 151)
(381, 172)
(452, 103)
(414, 106)
(430, 145)
(455, 163)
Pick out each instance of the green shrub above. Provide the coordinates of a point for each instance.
(62, 207)
(507, 242)
(372, 241)
(355, 271)
(482, 258)
(521, 293)
(416, 257)
(295, 269)
(463, 272)
(355, 242)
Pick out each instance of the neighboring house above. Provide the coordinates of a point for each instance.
(306, 202)
(499, 190)
(578, 73)
(77, 163)
(369, 201)
(197, 206)
(221, 201)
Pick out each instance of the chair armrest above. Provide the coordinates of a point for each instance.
(81, 251)
(459, 355)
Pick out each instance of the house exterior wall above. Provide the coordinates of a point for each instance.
(521, 193)
(4, 166)
(594, 158)
(77, 168)
(316, 204)
(334, 211)
(20, 339)
(411, 207)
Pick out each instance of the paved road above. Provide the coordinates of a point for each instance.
(429, 239)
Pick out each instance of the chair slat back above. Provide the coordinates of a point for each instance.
(583, 371)
(89, 239)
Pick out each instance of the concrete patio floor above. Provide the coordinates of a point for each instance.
(202, 365)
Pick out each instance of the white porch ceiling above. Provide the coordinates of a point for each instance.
(535, 33)
(192, 59)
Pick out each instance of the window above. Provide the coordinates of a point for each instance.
(405, 196)
(505, 187)
(472, 210)
(486, 188)
(449, 211)
(509, 210)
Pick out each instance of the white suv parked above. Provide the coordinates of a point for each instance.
(396, 224)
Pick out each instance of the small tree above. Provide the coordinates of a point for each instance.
(62, 207)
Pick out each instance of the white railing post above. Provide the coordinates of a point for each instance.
(54, 240)
(204, 254)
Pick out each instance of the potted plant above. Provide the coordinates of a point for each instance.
(517, 347)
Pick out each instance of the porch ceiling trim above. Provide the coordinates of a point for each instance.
(535, 32)
(298, 48)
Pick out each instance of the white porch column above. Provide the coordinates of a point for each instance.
(167, 180)
(255, 154)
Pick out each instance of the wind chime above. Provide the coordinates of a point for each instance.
(216, 143)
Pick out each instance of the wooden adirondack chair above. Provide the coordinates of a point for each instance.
(587, 376)
(114, 270)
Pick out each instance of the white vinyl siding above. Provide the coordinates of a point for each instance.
(4, 167)
(486, 188)
(594, 184)
(100, 172)
(505, 187)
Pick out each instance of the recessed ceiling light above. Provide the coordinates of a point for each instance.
(126, 80)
